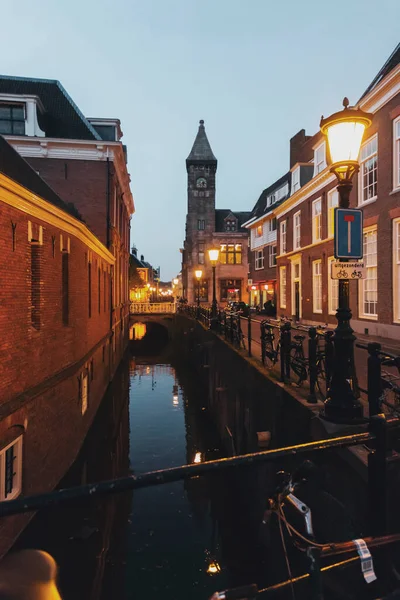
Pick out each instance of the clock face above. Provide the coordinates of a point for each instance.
(201, 182)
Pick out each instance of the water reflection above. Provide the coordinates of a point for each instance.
(137, 331)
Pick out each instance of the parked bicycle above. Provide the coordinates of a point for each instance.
(300, 365)
(270, 349)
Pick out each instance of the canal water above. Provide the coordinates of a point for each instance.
(174, 541)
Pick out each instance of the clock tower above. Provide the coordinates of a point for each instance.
(201, 167)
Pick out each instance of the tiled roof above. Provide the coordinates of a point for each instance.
(15, 167)
(222, 213)
(390, 64)
(260, 206)
(62, 118)
(201, 151)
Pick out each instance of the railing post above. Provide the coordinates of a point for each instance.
(282, 333)
(377, 476)
(231, 326)
(329, 356)
(374, 378)
(312, 363)
(262, 340)
(225, 326)
(249, 333)
(288, 338)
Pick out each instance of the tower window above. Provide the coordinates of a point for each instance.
(201, 224)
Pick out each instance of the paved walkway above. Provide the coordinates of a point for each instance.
(360, 355)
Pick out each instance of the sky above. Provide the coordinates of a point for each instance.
(256, 71)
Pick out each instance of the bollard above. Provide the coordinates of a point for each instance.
(288, 339)
(374, 378)
(377, 476)
(312, 363)
(329, 357)
(282, 334)
(249, 333)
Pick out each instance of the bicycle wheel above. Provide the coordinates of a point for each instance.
(298, 363)
(270, 354)
(321, 377)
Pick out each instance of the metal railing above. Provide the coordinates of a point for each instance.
(154, 308)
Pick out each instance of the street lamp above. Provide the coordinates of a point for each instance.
(198, 273)
(344, 130)
(176, 281)
(213, 255)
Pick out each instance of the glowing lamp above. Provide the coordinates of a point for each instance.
(198, 273)
(345, 130)
(253, 287)
(213, 255)
(176, 281)
(197, 457)
(213, 568)
(266, 287)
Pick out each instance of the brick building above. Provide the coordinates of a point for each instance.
(305, 220)
(263, 249)
(64, 294)
(206, 227)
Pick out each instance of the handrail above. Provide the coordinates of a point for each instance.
(132, 482)
(152, 307)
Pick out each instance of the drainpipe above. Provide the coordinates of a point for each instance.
(108, 201)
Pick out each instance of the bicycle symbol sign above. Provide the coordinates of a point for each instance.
(348, 270)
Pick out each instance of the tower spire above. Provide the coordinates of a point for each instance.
(201, 151)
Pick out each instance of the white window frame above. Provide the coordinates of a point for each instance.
(396, 154)
(316, 216)
(362, 161)
(317, 286)
(295, 180)
(283, 237)
(282, 286)
(331, 210)
(297, 230)
(362, 283)
(85, 390)
(396, 270)
(333, 284)
(17, 483)
(272, 255)
(259, 259)
(296, 263)
(319, 161)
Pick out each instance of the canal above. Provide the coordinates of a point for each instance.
(174, 541)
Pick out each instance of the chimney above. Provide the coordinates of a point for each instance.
(134, 250)
(142, 257)
(296, 147)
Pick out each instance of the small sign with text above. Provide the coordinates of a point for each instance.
(348, 270)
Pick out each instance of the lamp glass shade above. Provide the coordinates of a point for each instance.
(198, 273)
(213, 254)
(344, 139)
(176, 281)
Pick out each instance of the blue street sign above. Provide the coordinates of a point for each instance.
(348, 233)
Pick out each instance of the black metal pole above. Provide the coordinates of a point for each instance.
(249, 333)
(198, 299)
(374, 378)
(341, 404)
(214, 300)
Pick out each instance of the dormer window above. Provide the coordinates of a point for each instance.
(12, 119)
(296, 180)
(319, 159)
(230, 225)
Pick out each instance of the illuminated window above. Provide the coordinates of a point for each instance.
(11, 470)
(317, 286)
(333, 202)
(368, 170)
(282, 286)
(369, 285)
(259, 231)
(231, 290)
(84, 392)
(297, 230)
(316, 221)
(231, 254)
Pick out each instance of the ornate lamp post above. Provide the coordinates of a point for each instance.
(198, 273)
(344, 131)
(213, 255)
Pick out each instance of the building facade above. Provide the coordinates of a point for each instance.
(208, 227)
(263, 243)
(305, 220)
(83, 161)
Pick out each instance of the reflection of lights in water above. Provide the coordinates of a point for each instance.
(147, 370)
(213, 568)
(137, 331)
(197, 457)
